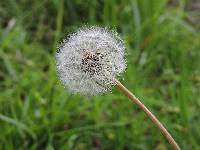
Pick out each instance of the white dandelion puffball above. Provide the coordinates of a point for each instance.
(89, 60)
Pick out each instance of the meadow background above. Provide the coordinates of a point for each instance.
(162, 38)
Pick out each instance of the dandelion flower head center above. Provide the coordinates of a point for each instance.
(91, 63)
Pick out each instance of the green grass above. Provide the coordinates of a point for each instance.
(163, 52)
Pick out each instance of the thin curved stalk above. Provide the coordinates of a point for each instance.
(158, 124)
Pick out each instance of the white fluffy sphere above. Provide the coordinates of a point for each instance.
(89, 60)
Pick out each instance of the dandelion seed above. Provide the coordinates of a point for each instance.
(89, 59)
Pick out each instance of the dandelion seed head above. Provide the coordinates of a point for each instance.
(89, 59)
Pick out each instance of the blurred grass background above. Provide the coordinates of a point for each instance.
(163, 53)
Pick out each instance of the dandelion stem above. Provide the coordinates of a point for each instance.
(149, 114)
